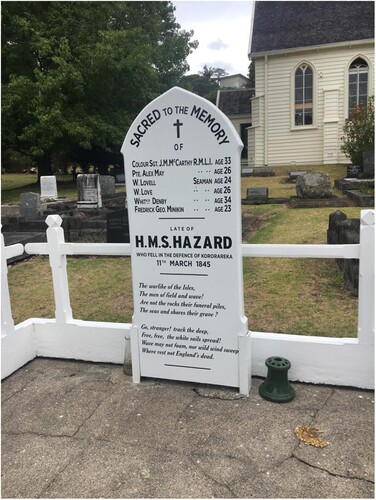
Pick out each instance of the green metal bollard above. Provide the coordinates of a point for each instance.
(276, 386)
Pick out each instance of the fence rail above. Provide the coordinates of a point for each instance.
(314, 359)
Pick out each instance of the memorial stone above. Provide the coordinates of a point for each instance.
(369, 164)
(48, 188)
(247, 172)
(313, 185)
(258, 196)
(182, 161)
(353, 171)
(89, 191)
(118, 227)
(295, 174)
(29, 205)
(107, 183)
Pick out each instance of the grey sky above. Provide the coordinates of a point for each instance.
(222, 29)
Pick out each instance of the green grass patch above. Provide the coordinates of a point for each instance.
(298, 296)
(284, 295)
(279, 188)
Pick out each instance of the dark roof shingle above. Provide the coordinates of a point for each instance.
(235, 102)
(285, 25)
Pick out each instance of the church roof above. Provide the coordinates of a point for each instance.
(286, 25)
(235, 101)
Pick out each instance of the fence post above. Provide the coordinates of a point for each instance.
(58, 263)
(366, 301)
(7, 323)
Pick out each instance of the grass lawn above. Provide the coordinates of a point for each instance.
(299, 296)
(279, 188)
(12, 185)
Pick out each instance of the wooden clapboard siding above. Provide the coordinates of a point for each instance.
(282, 143)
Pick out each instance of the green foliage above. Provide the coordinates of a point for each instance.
(359, 132)
(205, 83)
(75, 74)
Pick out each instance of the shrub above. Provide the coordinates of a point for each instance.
(359, 132)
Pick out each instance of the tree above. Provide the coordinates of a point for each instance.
(359, 132)
(205, 83)
(75, 74)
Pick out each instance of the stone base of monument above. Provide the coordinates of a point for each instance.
(344, 184)
(295, 202)
(361, 199)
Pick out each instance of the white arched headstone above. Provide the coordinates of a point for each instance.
(182, 167)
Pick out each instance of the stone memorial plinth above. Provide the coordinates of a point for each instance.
(107, 183)
(257, 196)
(29, 205)
(182, 163)
(48, 188)
(89, 191)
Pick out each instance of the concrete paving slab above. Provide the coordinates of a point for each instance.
(30, 462)
(83, 430)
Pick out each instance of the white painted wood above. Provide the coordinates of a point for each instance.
(301, 251)
(7, 323)
(314, 359)
(366, 302)
(245, 372)
(317, 360)
(17, 348)
(84, 340)
(135, 351)
(95, 248)
(58, 263)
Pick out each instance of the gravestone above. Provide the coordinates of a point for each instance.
(29, 205)
(247, 172)
(118, 227)
(89, 191)
(107, 183)
(118, 173)
(48, 188)
(313, 185)
(369, 164)
(257, 196)
(182, 161)
(293, 175)
(353, 171)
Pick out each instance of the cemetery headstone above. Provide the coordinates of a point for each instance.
(293, 175)
(369, 164)
(29, 205)
(353, 171)
(107, 183)
(118, 227)
(89, 191)
(257, 196)
(48, 188)
(182, 161)
(247, 172)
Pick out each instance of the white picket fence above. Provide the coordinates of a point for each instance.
(337, 361)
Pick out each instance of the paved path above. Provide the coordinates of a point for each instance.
(73, 429)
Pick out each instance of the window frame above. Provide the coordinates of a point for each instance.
(298, 67)
(357, 72)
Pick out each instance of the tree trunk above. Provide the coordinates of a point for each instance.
(44, 165)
